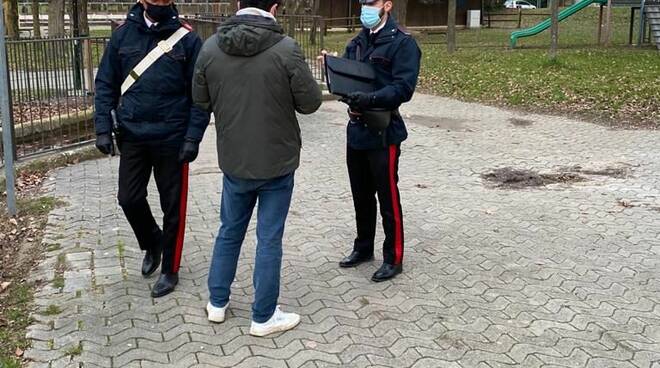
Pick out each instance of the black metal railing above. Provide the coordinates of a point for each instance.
(307, 30)
(52, 82)
(52, 88)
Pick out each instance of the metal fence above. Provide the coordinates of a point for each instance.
(52, 87)
(307, 30)
(52, 82)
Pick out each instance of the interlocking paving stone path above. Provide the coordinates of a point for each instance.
(561, 276)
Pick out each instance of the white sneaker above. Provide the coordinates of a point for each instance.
(279, 322)
(215, 314)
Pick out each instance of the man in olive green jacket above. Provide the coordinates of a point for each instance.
(254, 79)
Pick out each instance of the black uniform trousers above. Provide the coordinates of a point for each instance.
(135, 166)
(375, 173)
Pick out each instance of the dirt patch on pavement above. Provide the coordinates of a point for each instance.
(619, 172)
(520, 123)
(510, 178)
(449, 124)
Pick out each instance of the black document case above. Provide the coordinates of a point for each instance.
(345, 76)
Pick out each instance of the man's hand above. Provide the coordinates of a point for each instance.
(321, 58)
(104, 143)
(189, 151)
(359, 101)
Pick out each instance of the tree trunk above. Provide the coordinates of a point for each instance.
(36, 19)
(608, 24)
(400, 11)
(84, 21)
(316, 4)
(56, 18)
(293, 8)
(11, 17)
(554, 29)
(451, 26)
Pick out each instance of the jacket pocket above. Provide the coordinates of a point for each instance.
(124, 113)
(380, 60)
(130, 57)
(175, 55)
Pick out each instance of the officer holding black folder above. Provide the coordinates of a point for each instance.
(373, 147)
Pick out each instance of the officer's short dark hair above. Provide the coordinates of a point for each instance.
(261, 4)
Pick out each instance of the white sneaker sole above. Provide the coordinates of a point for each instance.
(217, 320)
(275, 329)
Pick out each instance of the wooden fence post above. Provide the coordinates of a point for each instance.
(451, 26)
(600, 24)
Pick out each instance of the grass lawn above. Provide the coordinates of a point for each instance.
(617, 85)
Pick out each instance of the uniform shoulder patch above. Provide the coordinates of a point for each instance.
(186, 25)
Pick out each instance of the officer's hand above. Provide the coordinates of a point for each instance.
(189, 151)
(104, 143)
(350, 101)
(360, 100)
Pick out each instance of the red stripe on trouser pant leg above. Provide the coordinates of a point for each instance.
(181, 231)
(398, 231)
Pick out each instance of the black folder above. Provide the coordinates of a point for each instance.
(345, 76)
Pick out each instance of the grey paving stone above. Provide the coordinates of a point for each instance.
(560, 276)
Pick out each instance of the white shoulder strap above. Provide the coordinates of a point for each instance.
(161, 49)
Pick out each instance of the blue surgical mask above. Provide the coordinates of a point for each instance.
(370, 16)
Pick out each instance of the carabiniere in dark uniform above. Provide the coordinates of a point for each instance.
(158, 126)
(373, 153)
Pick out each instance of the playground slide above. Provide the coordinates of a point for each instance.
(565, 13)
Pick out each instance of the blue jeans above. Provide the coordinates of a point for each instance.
(239, 197)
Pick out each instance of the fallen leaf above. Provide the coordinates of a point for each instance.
(19, 352)
(625, 203)
(4, 286)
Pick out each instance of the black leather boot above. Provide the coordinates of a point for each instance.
(386, 272)
(355, 258)
(152, 256)
(151, 261)
(165, 284)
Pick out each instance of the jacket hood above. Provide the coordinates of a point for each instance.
(248, 35)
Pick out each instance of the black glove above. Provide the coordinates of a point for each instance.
(360, 101)
(189, 151)
(104, 143)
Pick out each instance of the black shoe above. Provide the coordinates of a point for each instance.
(165, 284)
(386, 272)
(151, 261)
(355, 258)
(152, 256)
